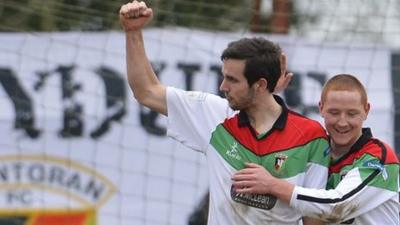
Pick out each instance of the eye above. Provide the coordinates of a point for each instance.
(333, 112)
(353, 113)
(230, 79)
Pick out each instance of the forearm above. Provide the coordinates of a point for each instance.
(140, 73)
(144, 83)
(340, 204)
(255, 179)
(282, 190)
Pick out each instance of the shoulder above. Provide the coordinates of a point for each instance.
(196, 104)
(306, 126)
(200, 96)
(380, 150)
(176, 96)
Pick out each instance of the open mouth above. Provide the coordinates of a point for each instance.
(342, 131)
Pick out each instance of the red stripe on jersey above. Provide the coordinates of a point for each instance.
(298, 131)
(370, 148)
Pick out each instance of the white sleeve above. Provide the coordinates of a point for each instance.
(193, 116)
(316, 176)
(351, 198)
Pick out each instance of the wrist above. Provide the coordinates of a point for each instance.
(282, 189)
(133, 33)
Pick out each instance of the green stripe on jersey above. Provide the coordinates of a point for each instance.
(282, 164)
(233, 152)
(387, 178)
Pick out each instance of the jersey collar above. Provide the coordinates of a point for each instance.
(279, 123)
(362, 140)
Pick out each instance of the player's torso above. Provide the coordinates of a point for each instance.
(284, 156)
(371, 155)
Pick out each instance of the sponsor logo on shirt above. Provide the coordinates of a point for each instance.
(376, 164)
(261, 201)
(233, 152)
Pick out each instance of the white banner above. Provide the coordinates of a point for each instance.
(75, 145)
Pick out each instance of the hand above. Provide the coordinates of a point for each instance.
(283, 61)
(135, 15)
(285, 77)
(283, 82)
(254, 179)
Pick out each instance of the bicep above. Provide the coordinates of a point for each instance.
(156, 99)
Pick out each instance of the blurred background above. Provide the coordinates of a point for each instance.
(360, 20)
(73, 141)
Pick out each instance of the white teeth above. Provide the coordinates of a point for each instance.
(341, 132)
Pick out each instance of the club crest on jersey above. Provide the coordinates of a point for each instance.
(279, 160)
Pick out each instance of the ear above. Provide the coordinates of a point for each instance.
(367, 108)
(261, 84)
(320, 107)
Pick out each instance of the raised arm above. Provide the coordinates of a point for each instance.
(144, 84)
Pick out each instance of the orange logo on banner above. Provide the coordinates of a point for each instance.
(41, 217)
(82, 218)
(73, 191)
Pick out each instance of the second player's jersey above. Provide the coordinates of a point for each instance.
(363, 187)
(295, 149)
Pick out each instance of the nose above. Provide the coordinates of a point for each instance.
(342, 121)
(222, 86)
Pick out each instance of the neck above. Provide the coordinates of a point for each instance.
(338, 151)
(263, 115)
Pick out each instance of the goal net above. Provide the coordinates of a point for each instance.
(76, 147)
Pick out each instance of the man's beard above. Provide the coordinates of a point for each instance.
(243, 103)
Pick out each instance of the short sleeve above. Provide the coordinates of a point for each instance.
(193, 116)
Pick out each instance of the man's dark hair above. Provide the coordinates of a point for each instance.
(262, 59)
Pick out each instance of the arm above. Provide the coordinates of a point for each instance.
(256, 179)
(351, 198)
(145, 85)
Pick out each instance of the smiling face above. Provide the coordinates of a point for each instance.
(235, 86)
(344, 113)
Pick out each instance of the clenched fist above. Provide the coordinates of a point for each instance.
(135, 15)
